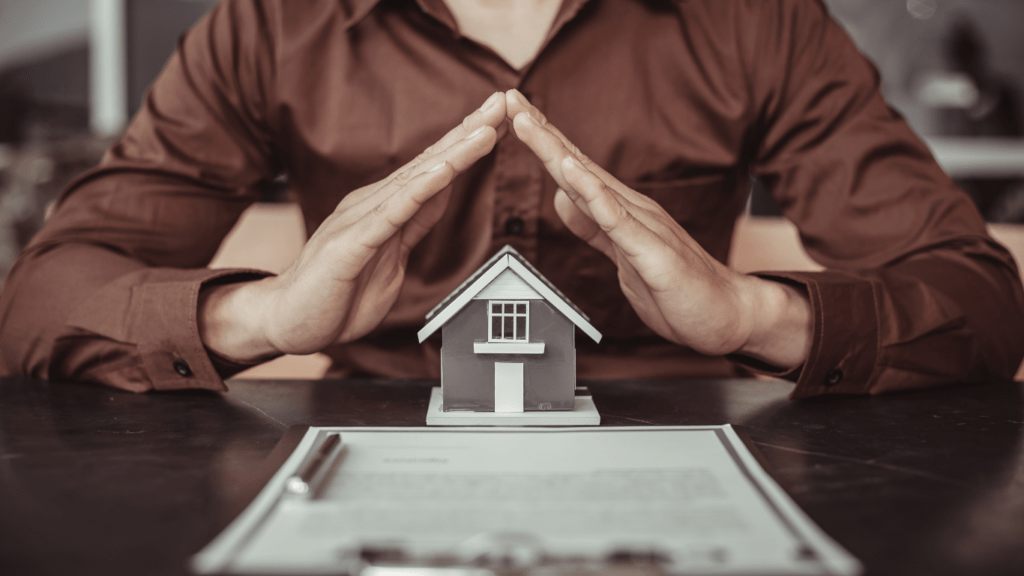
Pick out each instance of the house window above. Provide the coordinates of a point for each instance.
(509, 321)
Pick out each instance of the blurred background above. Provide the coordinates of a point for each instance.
(72, 72)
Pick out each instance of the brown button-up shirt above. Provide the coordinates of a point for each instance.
(681, 99)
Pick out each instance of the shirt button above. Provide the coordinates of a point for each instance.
(514, 226)
(833, 377)
(182, 368)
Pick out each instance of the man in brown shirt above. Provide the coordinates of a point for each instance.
(672, 104)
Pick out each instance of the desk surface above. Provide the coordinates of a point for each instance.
(103, 482)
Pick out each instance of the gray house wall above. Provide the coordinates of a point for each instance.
(549, 379)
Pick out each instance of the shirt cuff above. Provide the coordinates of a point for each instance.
(845, 343)
(156, 311)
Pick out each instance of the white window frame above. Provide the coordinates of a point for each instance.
(490, 320)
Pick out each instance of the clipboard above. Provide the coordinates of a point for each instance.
(496, 501)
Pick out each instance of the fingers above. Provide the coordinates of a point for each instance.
(460, 148)
(374, 214)
(544, 139)
(400, 207)
(554, 150)
(516, 106)
(461, 154)
(551, 148)
(491, 113)
(586, 204)
(490, 116)
(399, 201)
(548, 147)
(610, 212)
(516, 103)
(561, 159)
(394, 211)
(580, 222)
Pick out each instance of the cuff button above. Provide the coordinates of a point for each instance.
(182, 368)
(833, 377)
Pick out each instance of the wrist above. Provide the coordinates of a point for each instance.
(229, 318)
(781, 323)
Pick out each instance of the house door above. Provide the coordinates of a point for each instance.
(508, 386)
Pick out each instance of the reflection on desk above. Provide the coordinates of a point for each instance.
(105, 482)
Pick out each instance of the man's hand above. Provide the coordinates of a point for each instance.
(351, 270)
(676, 287)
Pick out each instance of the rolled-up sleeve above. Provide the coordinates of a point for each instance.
(915, 292)
(107, 291)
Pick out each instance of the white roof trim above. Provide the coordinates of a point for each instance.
(500, 264)
(472, 277)
(454, 306)
(554, 299)
(508, 286)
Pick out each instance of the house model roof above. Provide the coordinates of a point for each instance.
(507, 259)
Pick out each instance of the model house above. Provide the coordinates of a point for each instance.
(508, 340)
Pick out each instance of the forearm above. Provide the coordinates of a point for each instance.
(951, 314)
(41, 294)
(78, 311)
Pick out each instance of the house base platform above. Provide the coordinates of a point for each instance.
(584, 414)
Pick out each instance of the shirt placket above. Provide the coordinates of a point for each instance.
(518, 186)
(519, 176)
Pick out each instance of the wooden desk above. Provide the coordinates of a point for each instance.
(94, 481)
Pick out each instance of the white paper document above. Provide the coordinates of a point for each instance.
(691, 498)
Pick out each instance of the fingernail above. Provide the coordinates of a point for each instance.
(475, 133)
(438, 167)
(490, 102)
(519, 97)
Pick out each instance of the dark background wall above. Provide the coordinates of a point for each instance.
(44, 60)
(908, 39)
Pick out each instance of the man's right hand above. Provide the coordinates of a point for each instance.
(351, 270)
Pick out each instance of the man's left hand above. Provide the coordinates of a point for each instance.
(675, 286)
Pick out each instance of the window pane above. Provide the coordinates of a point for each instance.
(508, 308)
(495, 327)
(496, 308)
(508, 327)
(520, 308)
(520, 327)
